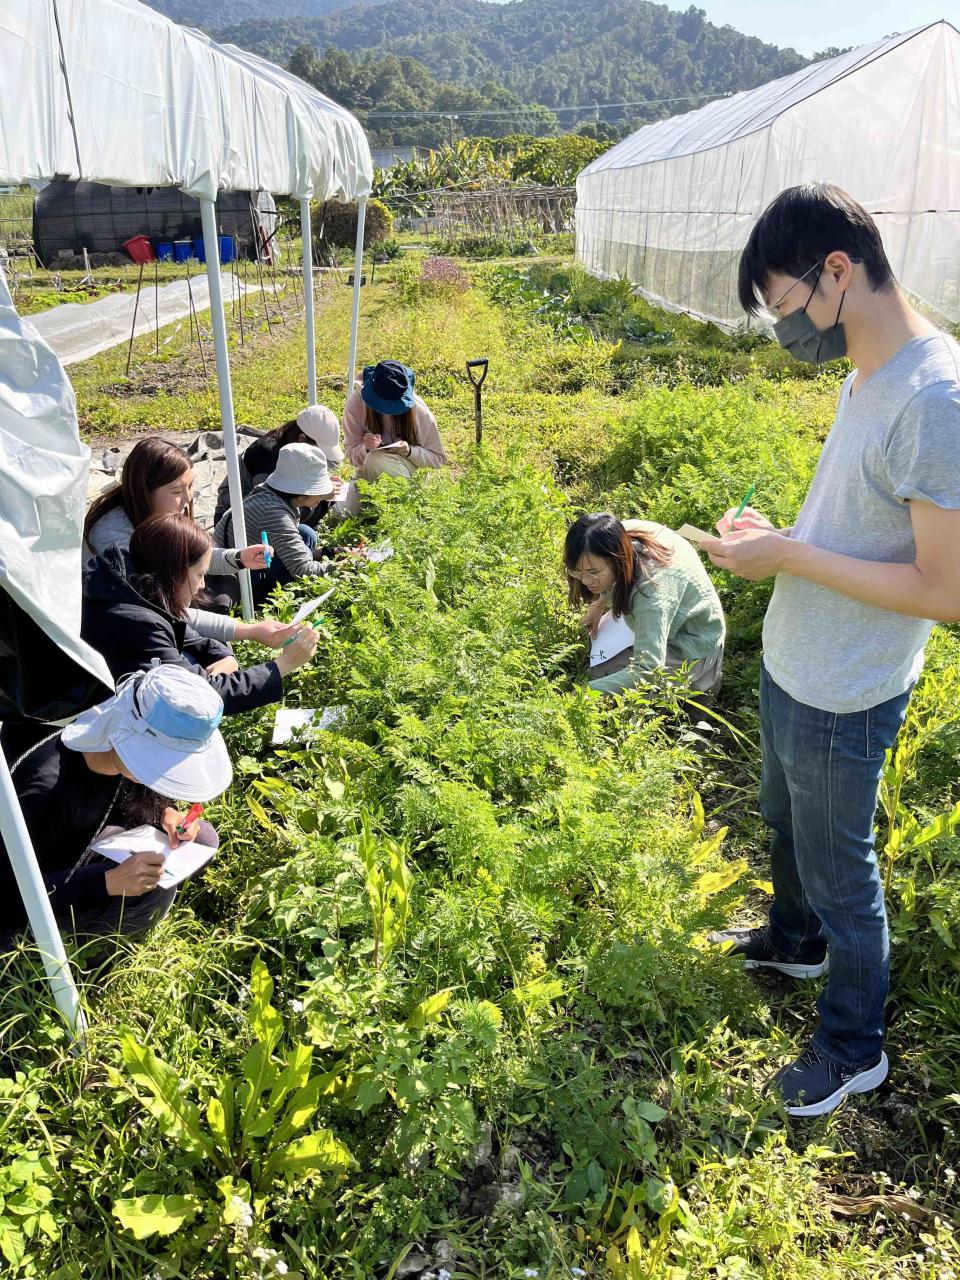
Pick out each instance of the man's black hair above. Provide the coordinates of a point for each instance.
(799, 229)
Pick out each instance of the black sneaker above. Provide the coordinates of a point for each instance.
(754, 946)
(814, 1086)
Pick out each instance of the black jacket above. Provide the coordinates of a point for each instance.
(131, 632)
(65, 806)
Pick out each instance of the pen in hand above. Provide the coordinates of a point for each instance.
(742, 507)
(193, 813)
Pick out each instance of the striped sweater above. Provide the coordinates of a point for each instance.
(267, 511)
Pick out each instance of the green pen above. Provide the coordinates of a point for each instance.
(292, 638)
(746, 498)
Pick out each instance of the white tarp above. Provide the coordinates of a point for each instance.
(77, 331)
(671, 207)
(43, 487)
(145, 102)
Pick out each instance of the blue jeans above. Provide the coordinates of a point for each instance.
(818, 794)
(264, 580)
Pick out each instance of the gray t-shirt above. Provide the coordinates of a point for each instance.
(897, 438)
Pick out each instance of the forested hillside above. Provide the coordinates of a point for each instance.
(556, 53)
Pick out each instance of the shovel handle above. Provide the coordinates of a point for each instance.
(477, 364)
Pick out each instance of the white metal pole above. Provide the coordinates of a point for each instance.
(33, 891)
(355, 319)
(307, 242)
(211, 251)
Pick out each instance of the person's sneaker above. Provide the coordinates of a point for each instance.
(813, 1086)
(754, 946)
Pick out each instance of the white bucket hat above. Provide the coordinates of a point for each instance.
(163, 726)
(301, 469)
(323, 427)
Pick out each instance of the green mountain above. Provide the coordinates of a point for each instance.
(558, 53)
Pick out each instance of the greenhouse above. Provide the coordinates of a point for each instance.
(199, 117)
(671, 206)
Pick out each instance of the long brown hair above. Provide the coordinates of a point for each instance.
(403, 425)
(150, 464)
(287, 433)
(629, 555)
(162, 549)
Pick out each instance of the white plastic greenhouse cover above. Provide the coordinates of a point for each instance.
(671, 207)
(141, 101)
(44, 471)
(112, 91)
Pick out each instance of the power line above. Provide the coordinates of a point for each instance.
(536, 107)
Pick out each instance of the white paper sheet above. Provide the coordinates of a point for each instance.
(180, 863)
(380, 551)
(698, 537)
(290, 719)
(307, 608)
(613, 637)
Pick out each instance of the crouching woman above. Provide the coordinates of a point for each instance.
(115, 767)
(387, 428)
(135, 607)
(652, 578)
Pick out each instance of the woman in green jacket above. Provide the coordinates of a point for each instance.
(652, 578)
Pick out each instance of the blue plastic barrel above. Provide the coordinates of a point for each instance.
(182, 250)
(164, 250)
(198, 252)
(228, 249)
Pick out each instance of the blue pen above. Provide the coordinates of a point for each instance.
(267, 557)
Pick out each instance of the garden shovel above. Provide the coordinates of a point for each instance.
(477, 383)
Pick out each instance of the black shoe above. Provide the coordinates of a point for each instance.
(814, 1086)
(754, 946)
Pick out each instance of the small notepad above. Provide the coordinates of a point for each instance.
(698, 537)
(613, 636)
(180, 863)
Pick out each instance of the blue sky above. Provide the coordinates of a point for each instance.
(811, 25)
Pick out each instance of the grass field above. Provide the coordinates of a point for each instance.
(443, 1004)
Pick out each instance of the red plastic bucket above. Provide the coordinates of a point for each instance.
(139, 249)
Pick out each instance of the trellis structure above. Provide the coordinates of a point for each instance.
(505, 211)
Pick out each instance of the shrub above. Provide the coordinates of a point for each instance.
(480, 247)
(441, 277)
(335, 224)
(419, 278)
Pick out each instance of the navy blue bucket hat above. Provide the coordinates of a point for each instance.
(388, 387)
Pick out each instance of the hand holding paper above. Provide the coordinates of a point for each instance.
(178, 864)
(311, 605)
(750, 553)
(614, 635)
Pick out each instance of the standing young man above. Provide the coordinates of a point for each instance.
(872, 561)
